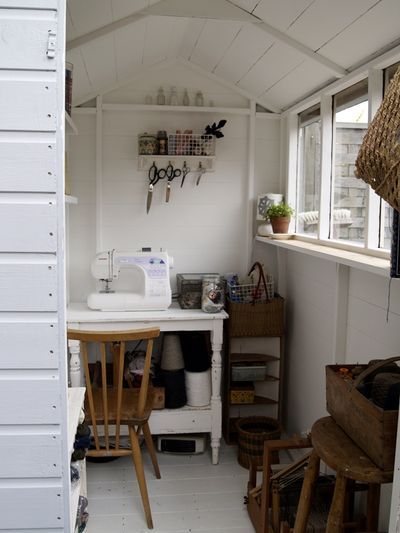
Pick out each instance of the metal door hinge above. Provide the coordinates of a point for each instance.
(51, 45)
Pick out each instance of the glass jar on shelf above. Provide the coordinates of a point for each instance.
(213, 297)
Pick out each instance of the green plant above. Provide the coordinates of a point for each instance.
(279, 210)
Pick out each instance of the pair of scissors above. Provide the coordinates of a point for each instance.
(153, 179)
(185, 172)
(170, 173)
(201, 170)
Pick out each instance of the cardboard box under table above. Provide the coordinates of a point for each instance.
(372, 428)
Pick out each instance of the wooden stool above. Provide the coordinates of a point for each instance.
(339, 452)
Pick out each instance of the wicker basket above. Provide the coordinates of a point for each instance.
(253, 431)
(378, 160)
(256, 320)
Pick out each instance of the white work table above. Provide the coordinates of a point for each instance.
(187, 419)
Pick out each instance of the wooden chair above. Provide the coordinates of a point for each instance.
(118, 406)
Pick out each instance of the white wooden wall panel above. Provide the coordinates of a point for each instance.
(30, 456)
(24, 42)
(18, 111)
(99, 58)
(281, 14)
(191, 36)
(273, 66)
(213, 42)
(89, 15)
(126, 39)
(28, 287)
(29, 401)
(123, 8)
(157, 49)
(27, 228)
(351, 47)
(22, 507)
(39, 156)
(325, 19)
(28, 344)
(250, 44)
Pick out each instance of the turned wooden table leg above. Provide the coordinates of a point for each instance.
(307, 491)
(373, 501)
(336, 512)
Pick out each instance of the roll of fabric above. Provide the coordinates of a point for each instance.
(172, 356)
(198, 388)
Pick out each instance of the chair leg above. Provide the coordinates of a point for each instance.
(150, 446)
(138, 462)
(306, 494)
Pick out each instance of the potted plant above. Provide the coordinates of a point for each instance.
(279, 215)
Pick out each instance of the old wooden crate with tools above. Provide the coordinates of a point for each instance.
(372, 428)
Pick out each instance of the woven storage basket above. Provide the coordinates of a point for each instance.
(256, 320)
(253, 431)
(378, 160)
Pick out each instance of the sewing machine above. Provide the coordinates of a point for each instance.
(141, 281)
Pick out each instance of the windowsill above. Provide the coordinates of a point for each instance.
(369, 263)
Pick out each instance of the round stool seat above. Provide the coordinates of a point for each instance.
(340, 453)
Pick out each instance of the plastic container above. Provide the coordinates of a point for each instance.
(213, 298)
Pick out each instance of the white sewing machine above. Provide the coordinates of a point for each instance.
(141, 281)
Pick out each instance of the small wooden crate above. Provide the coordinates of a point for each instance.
(242, 393)
(370, 427)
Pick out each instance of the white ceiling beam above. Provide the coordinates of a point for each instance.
(108, 28)
(221, 81)
(205, 9)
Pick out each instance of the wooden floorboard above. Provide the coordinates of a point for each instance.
(193, 496)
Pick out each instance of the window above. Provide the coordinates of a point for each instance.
(309, 171)
(349, 194)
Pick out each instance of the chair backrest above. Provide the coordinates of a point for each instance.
(117, 341)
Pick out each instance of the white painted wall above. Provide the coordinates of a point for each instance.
(203, 227)
(311, 286)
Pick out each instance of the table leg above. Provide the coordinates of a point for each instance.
(216, 405)
(75, 363)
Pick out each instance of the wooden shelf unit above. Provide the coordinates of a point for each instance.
(273, 376)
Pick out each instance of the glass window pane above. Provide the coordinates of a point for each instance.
(309, 176)
(386, 226)
(348, 220)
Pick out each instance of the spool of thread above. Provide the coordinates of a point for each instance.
(172, 356)
(198, 388)
(175, 391)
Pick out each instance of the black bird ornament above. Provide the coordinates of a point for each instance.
(215, 130)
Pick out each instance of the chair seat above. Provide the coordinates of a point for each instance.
(128, 407)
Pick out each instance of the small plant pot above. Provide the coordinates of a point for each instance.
(280, 224)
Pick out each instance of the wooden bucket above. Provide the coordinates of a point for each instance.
(253, 431)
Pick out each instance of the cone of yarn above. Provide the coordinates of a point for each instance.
(198, 388)
(172, 356)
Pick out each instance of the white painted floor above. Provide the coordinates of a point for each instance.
(192, 495)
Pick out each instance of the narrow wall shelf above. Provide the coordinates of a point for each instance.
(177, 161)
(176, 108)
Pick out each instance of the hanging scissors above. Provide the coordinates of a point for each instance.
(170, 173)
(185, 172)
(201, 170)
(153, 179)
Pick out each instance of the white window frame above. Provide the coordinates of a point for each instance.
(374, 71)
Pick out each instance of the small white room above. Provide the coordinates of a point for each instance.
(187, 123)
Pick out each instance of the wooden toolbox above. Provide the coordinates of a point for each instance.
(372, 428)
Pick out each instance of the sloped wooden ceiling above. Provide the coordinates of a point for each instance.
(276, 51)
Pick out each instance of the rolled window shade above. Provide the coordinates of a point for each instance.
(352, 95)
(310, 115)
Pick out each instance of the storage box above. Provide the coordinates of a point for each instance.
(256, 320)
(370, 427)
(189, 288)
(248, 372)
(242, 393)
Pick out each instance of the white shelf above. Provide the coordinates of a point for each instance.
(71, 199)
(76, 396)
(176, 108)
(369, 263)
(70, 128)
